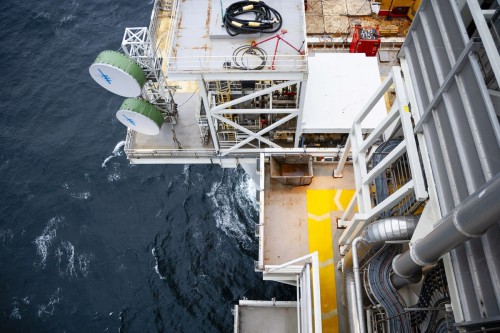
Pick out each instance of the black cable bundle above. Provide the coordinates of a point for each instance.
(267, 19)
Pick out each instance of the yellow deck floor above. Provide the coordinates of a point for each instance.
(320, 204)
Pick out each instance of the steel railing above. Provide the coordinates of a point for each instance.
(217, 64)
(399, 116)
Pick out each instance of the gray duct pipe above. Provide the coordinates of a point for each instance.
(352, 311)
(471, 218)
(357, 284)
(399, 282)
(389, 229)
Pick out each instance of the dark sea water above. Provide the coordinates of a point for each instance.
(88, 242)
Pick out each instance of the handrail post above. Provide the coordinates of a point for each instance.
(337, 173)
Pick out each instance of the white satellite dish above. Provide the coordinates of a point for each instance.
(118, 73)
(140, 116)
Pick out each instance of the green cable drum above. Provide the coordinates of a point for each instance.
(140, 116)
(118, 73)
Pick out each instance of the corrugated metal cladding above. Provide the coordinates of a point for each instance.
(452, 63)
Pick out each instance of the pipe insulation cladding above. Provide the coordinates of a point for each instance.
(391, 229)
(371, 240)
(471, 218)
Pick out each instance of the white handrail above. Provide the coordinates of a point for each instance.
(360, 147)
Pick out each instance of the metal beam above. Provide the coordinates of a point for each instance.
(390, 201)
(386, 162)
(316, 294)
(253, 95)
(457, 66)
(388, 120)
(253, 135)
(379, 93)
(358, 222)
(409, 138)
(206, 104)
(337, 173)
(486, 38)
(255, 111)
(259, 134)
(302, 97)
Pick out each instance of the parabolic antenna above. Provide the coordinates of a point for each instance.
(140, 116)
(118, 73)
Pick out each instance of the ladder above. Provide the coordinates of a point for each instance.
(223, 95)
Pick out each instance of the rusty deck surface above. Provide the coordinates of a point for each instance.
(338, 17)
(201, 44)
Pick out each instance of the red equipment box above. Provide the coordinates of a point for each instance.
(365, 40)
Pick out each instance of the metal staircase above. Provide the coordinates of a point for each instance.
(398, 123)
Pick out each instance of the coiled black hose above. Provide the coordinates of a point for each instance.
(267, 19)
(243, 53)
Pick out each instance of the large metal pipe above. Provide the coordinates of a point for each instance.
(352, 311)
(357, 284)
(389, 229)
(471, 218)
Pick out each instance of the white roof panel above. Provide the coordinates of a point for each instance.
(338, 87)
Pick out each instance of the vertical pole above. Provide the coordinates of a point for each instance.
(275, 50)
(204, 96)
(316, 294)
(357, 284)
(337, 173)
(298, 304)
(302, 96)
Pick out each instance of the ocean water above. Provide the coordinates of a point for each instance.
(88, 242)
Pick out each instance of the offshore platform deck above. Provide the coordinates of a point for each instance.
(299, 220)
(286, 217)
(378, 185)
(198, 42)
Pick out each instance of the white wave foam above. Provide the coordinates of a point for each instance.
(186, 172)
(225, 215)
(45, 15)
(66, 254)
(44, 241)
(15, 313)
(245, 197)
(6, 236)
(48, 309)
(113, 177)
(84, 260)
(66, 19)
(153, 251)
(116, 152)
(81, 196)
(248, 188)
